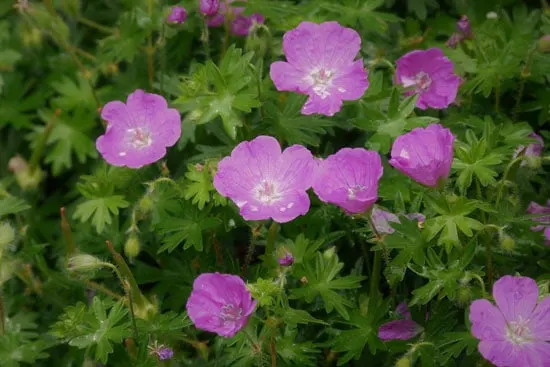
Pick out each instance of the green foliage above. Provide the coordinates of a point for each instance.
(93, 328)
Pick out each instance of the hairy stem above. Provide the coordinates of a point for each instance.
(92, 24)
(39, 150)
(270, 245)
(101, 288)
(375, 276)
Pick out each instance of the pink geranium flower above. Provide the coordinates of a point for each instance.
(403, 329)
(240, 24)
(543, 221)
(515, 332)
(321, 63)
(265, 182)
(209, 7)
(382, 219)
(349, 179)
(220, 303)
(532, 151)
(431, 75)
(177, 15)
(139, 131)
(424, 154)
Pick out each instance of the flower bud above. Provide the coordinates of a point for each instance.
(209, 7)
(464, 295)
(544, 43)
(7, 235)
(27, 178)
(507, 243)
(84, 263)
(178, 15)
(464, 26)
(132, 247)
(145, 204)
(329, 254)
(285, 257)
(403, 362)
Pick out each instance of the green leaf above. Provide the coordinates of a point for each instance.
(12, 205)
(201, 188)
(294, 317)
(321, 274)
(264, 291)
(100, 210)
(94, 327)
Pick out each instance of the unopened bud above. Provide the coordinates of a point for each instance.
(145, 204)
(329, 254)
(544, 43)
(85, 263)
(132, 247)
(27, 178)
(507, 243)
(7, 236)
(285, 258)
(403, 362)
(464, 295)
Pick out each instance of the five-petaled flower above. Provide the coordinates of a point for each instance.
(349, 179)
(515, 332)
(430, 75)
(265, 182)
(402, 329)
(424, 154)
(220, 303)
(543, 221)
(321, 63)
(139, 131)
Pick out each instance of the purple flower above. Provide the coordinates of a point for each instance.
(515, 332)
(165, 354)
(265, 182)
(544, 221)
(431, 74)
(453, 41)
(464, 26)
(381, 220)
(241, 25)
(286, 260)
(403, 329)
(349, 179)
(424, 154)
(321, 63)
(220, 303)
(178, 15)
(209, 7)
(139, 131)
(533, 150)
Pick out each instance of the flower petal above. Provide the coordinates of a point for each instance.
(516, 297)
(291, 206)
(488, 323)
(399, 330)
(352, 83)
(328, 106)
(502, 353)
(287, 77)
(295, 169)
(115, 112)
(539, 325)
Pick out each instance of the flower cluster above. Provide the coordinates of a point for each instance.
(463, 31)
(240, 24)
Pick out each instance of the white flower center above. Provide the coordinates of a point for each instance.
(518, 331)
(423, 81)
(352, 191)
(322, 81)
(140, 138)
(230, 313)
(266, 192)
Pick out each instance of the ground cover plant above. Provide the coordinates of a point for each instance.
(274, 183)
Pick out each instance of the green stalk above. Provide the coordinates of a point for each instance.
(40, 147)
(2, 314)
(143, 305)
(270, 246)
(99, 27)
(375, 276)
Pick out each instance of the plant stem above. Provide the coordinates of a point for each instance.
(270, 245)
(132, 314)
(524, 74)
(2, 314)
(67, 234)
(497, 95)
(39, 150)
(150, 50)
(487, 239)
(206, 40)
(505, 177)
(248, 257)
(273, 349)
(99, 27)
(101, 288)
(85, 54)
(375, 276)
